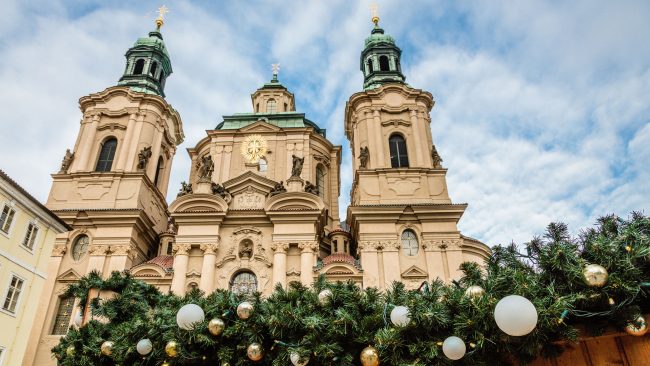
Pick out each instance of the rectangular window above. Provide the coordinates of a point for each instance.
(30, 236)
(63, 315)
(6, 218)
(13, 294)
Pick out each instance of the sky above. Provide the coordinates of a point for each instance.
(542, 107)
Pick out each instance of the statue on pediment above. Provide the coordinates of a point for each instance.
(185, 189)
(278, 188)
(205, 168)
(297, 166)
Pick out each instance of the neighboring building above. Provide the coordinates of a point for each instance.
(27, 234)
(261, 203)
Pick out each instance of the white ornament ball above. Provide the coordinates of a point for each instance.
(144, 346)
(189, 316)
(324, 296)
(78, 319)
(400, 316)
(454, 348)
(515, 315)
(297, 361)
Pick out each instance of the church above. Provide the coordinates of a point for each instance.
(260, 205)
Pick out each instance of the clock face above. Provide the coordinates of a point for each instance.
(253, 148)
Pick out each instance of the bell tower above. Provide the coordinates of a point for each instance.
(401, 217)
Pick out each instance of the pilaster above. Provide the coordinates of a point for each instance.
(308, 248)
(181, 259)
(280, 263)
(207, 270)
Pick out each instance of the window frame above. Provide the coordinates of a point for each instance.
(322, 191)
(12, 208)
(410, 249)
(56, 314)
(74, 242)
(259, 165)
(160, 169)
(384, 57)
(135, 66)
(234, 277)
(99, 155)
(399, 156)
(275, 106)
(32, 234)
(18, 300)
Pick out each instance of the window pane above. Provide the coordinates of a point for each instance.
(106, 155)
(271, 106)
(409, 243)
(320, 182)
(398, 154)
(63, 315)
(13, 293)
(244, 283)
(6, 218)
(80, 247)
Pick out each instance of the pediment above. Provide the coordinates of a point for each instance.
(260, 126)
(249, 181)
(340, 270)
(199, 202)
(69, 275)
(147, 270)
(193, 274)
(294, 201)
(414, 272)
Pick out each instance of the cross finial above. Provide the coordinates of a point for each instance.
(276, 69)
(161, 16)
(374, 12)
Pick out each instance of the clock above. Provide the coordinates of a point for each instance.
(253, 148)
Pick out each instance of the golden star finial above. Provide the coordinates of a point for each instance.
(374, 12)
(161, 16)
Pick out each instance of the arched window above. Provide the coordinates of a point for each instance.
(370, 65)
(139, 66)
(162, 73)
(244, 283)
(153, 68)
(320, 181)
(169, 248)
(257, 107)
(409, 243)
(263, 165)
(159, 172)
(80, 247)
(398, 156)
(383, 63)
(106, 155)
(271, 106)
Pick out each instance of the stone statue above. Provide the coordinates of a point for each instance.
(364, 155)
(185, 189)
(279, 188)
(171, 225)
(297, 166)
(246, 249)
(218, 190)
(310, 188)
(143, 157)
(435, 157)
(67, 161)
(205, 168)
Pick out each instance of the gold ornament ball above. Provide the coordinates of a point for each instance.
(70, 351)
(245, 310)
(171, 349)
(165, 363)
(369, 356)
(595, 275)
(474, 291)
(216, 326)
(255, 352)
(637, 328)
(324, 296)
(107, 348)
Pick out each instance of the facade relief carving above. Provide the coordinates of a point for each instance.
(364, 156)
(219, 190)
(181, 249)
(249, 199)
(96, 250)
(209, 248)
(311, 188)
(59, 250)
(143, 157)
(67, 161)
(435, 158)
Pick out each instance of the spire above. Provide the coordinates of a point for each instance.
(380, 58)
(147, 62)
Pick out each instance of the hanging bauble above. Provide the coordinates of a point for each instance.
(70, 351)
(296, 360)
(474, 291)
(245, 310)
(515, 315)
(369, 356)
(638, 327)
(107, 348)
(189, 316)
(255, 352)
(144, 346)
(324, 296)
(454, 348)
(595, 275)
(171, 349)
(400, 316)
(216, 326)
(165, 363)
(78, 319)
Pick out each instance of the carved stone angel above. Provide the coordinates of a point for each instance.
(279, 188)
(185, 189)
(310, 188)
(437, 160)
(364, 155)
(218, 190)
(205, 168)
(297, 166)
(143, 157)
(67, 161)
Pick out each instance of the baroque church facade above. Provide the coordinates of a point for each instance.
(260, 204)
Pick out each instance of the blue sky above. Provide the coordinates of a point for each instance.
(542, 107)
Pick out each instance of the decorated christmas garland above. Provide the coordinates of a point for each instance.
(557, 282)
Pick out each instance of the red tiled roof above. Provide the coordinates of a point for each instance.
(339, 258)
(165, 262)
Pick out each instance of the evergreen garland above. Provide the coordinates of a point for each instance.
(548, 271)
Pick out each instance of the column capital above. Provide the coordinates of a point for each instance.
(280, 246)
(209, 248)
(98, 250)
(59, 250)
(308, 246)
(123, 249)
(442, 244)
(181, 249)
(391, 245)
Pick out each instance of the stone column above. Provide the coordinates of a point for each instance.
(181, 259)
(370, 263)
(392, 270)
(207, 270)
(307, 261)
(280, 263)
(433, 258)
(126, 143)
(381, 142)
(122, 257)
(97, 258)
(225, 172)
(417, 138)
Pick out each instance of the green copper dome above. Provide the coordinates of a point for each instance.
(378, 37)
(380, 60)
(147, 65)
